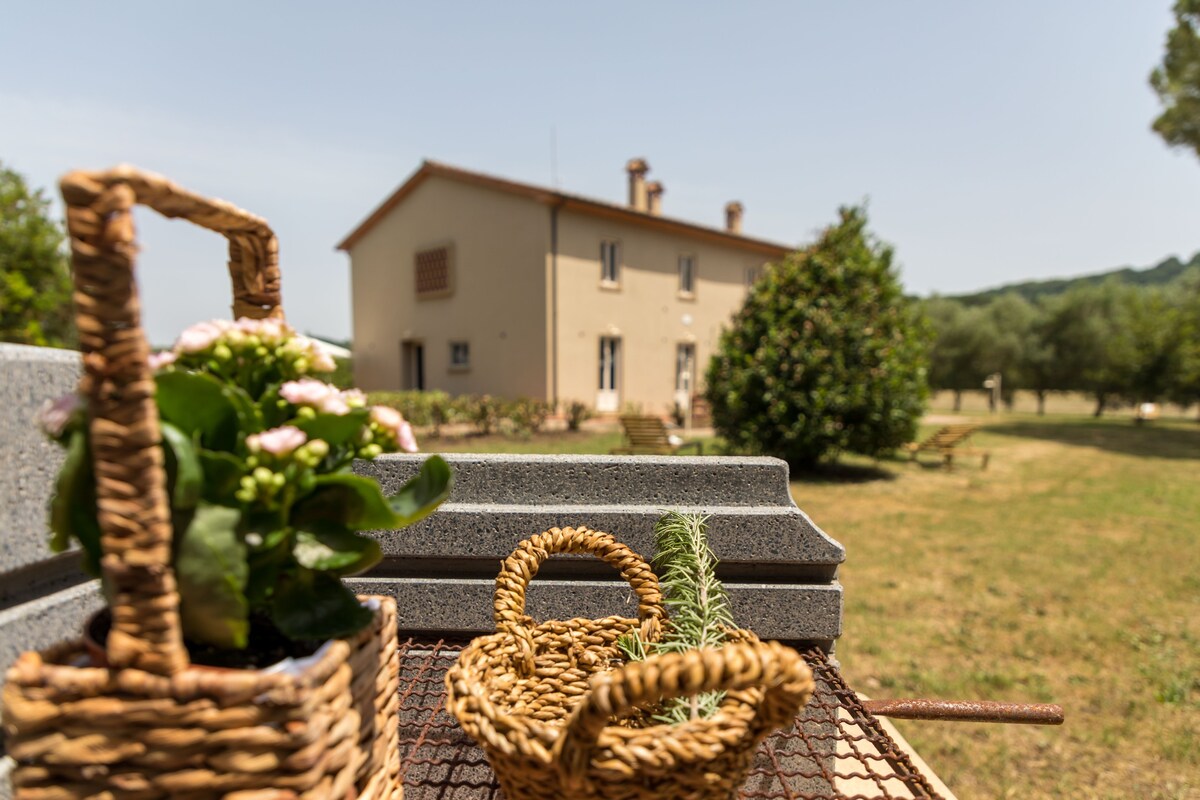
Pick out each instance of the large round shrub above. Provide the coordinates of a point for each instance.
(826, 356)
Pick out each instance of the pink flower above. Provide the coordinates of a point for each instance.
(280, 441)
(322, 361)
(386, 417)
(335, 404)
(270, 329)
(55, 414)
(404, 435)
(322, 396)
(164, 359)
(306, 392)
(394, 423)
(199, 337)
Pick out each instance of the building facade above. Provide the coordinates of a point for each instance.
(474, 284)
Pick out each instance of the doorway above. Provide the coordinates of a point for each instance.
(685, 376)
(608, 397)
(412, 365)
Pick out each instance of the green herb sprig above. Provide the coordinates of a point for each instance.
(697, 605)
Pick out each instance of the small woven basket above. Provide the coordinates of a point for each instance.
(561, 715)
(150, 725)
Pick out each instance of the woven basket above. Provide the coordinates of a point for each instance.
(561, 715)
(150, 725)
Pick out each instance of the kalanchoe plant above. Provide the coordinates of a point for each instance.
(266, 510)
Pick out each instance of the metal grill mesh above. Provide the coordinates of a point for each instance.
(835, 751)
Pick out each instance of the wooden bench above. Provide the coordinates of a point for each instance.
(648, 436)
(948, 442)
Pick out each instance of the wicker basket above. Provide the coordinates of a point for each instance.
(150, 725)
(560, 715)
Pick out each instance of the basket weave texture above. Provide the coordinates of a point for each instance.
(150, 725)
(560, 714)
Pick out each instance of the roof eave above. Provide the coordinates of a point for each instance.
(567, 201)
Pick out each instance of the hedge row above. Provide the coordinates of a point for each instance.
(489, 414)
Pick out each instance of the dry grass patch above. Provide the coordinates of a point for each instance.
(1068, 572)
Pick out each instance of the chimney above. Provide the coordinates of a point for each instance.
(654, 193)
(733, 216)
(637, 169)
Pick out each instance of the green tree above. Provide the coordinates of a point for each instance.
(1184, 386)
(1177, 80)
(1148, 344)
(35, 282)
(1007, 341)
(954, 358)
(826, 356)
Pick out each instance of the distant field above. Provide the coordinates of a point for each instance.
(1056, 403)
(1068, 572)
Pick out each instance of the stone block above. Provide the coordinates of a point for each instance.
(776, 535)
(790, 612)
(656, 481)
(39, 623)
(28, 461)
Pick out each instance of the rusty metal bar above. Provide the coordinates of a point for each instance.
(967, 711)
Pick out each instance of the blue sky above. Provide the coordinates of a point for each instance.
(995, 141)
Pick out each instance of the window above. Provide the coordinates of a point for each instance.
(752, 275)
(433, 270)
(610, 261)
(687, 274)
(460, 355)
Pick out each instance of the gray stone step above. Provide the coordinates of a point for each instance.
(29, 462)
(658, 481)
(790, 612)
(47, 620)
(768, 534)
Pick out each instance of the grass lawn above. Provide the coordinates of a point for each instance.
(1068, 572)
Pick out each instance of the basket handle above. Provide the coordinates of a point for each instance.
(522, 566)
(131, 500)
(778, 669)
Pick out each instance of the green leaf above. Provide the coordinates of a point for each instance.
(222, 474)
(250, 417)
(343, 499)
(265, 566)
(335, 429)
(198, 404)
(328, 548)
(312, 605)
(183, 467)
(419, 497)
(210, 567)
(271, 407)
(73, 506)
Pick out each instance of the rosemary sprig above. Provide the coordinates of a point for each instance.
(697, 605)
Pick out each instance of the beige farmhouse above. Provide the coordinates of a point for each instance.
(474, 284)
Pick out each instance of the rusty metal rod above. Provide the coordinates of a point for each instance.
(967, 711)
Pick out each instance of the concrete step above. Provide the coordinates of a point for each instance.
(781, 535)
(790, 612)
(659, 481)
